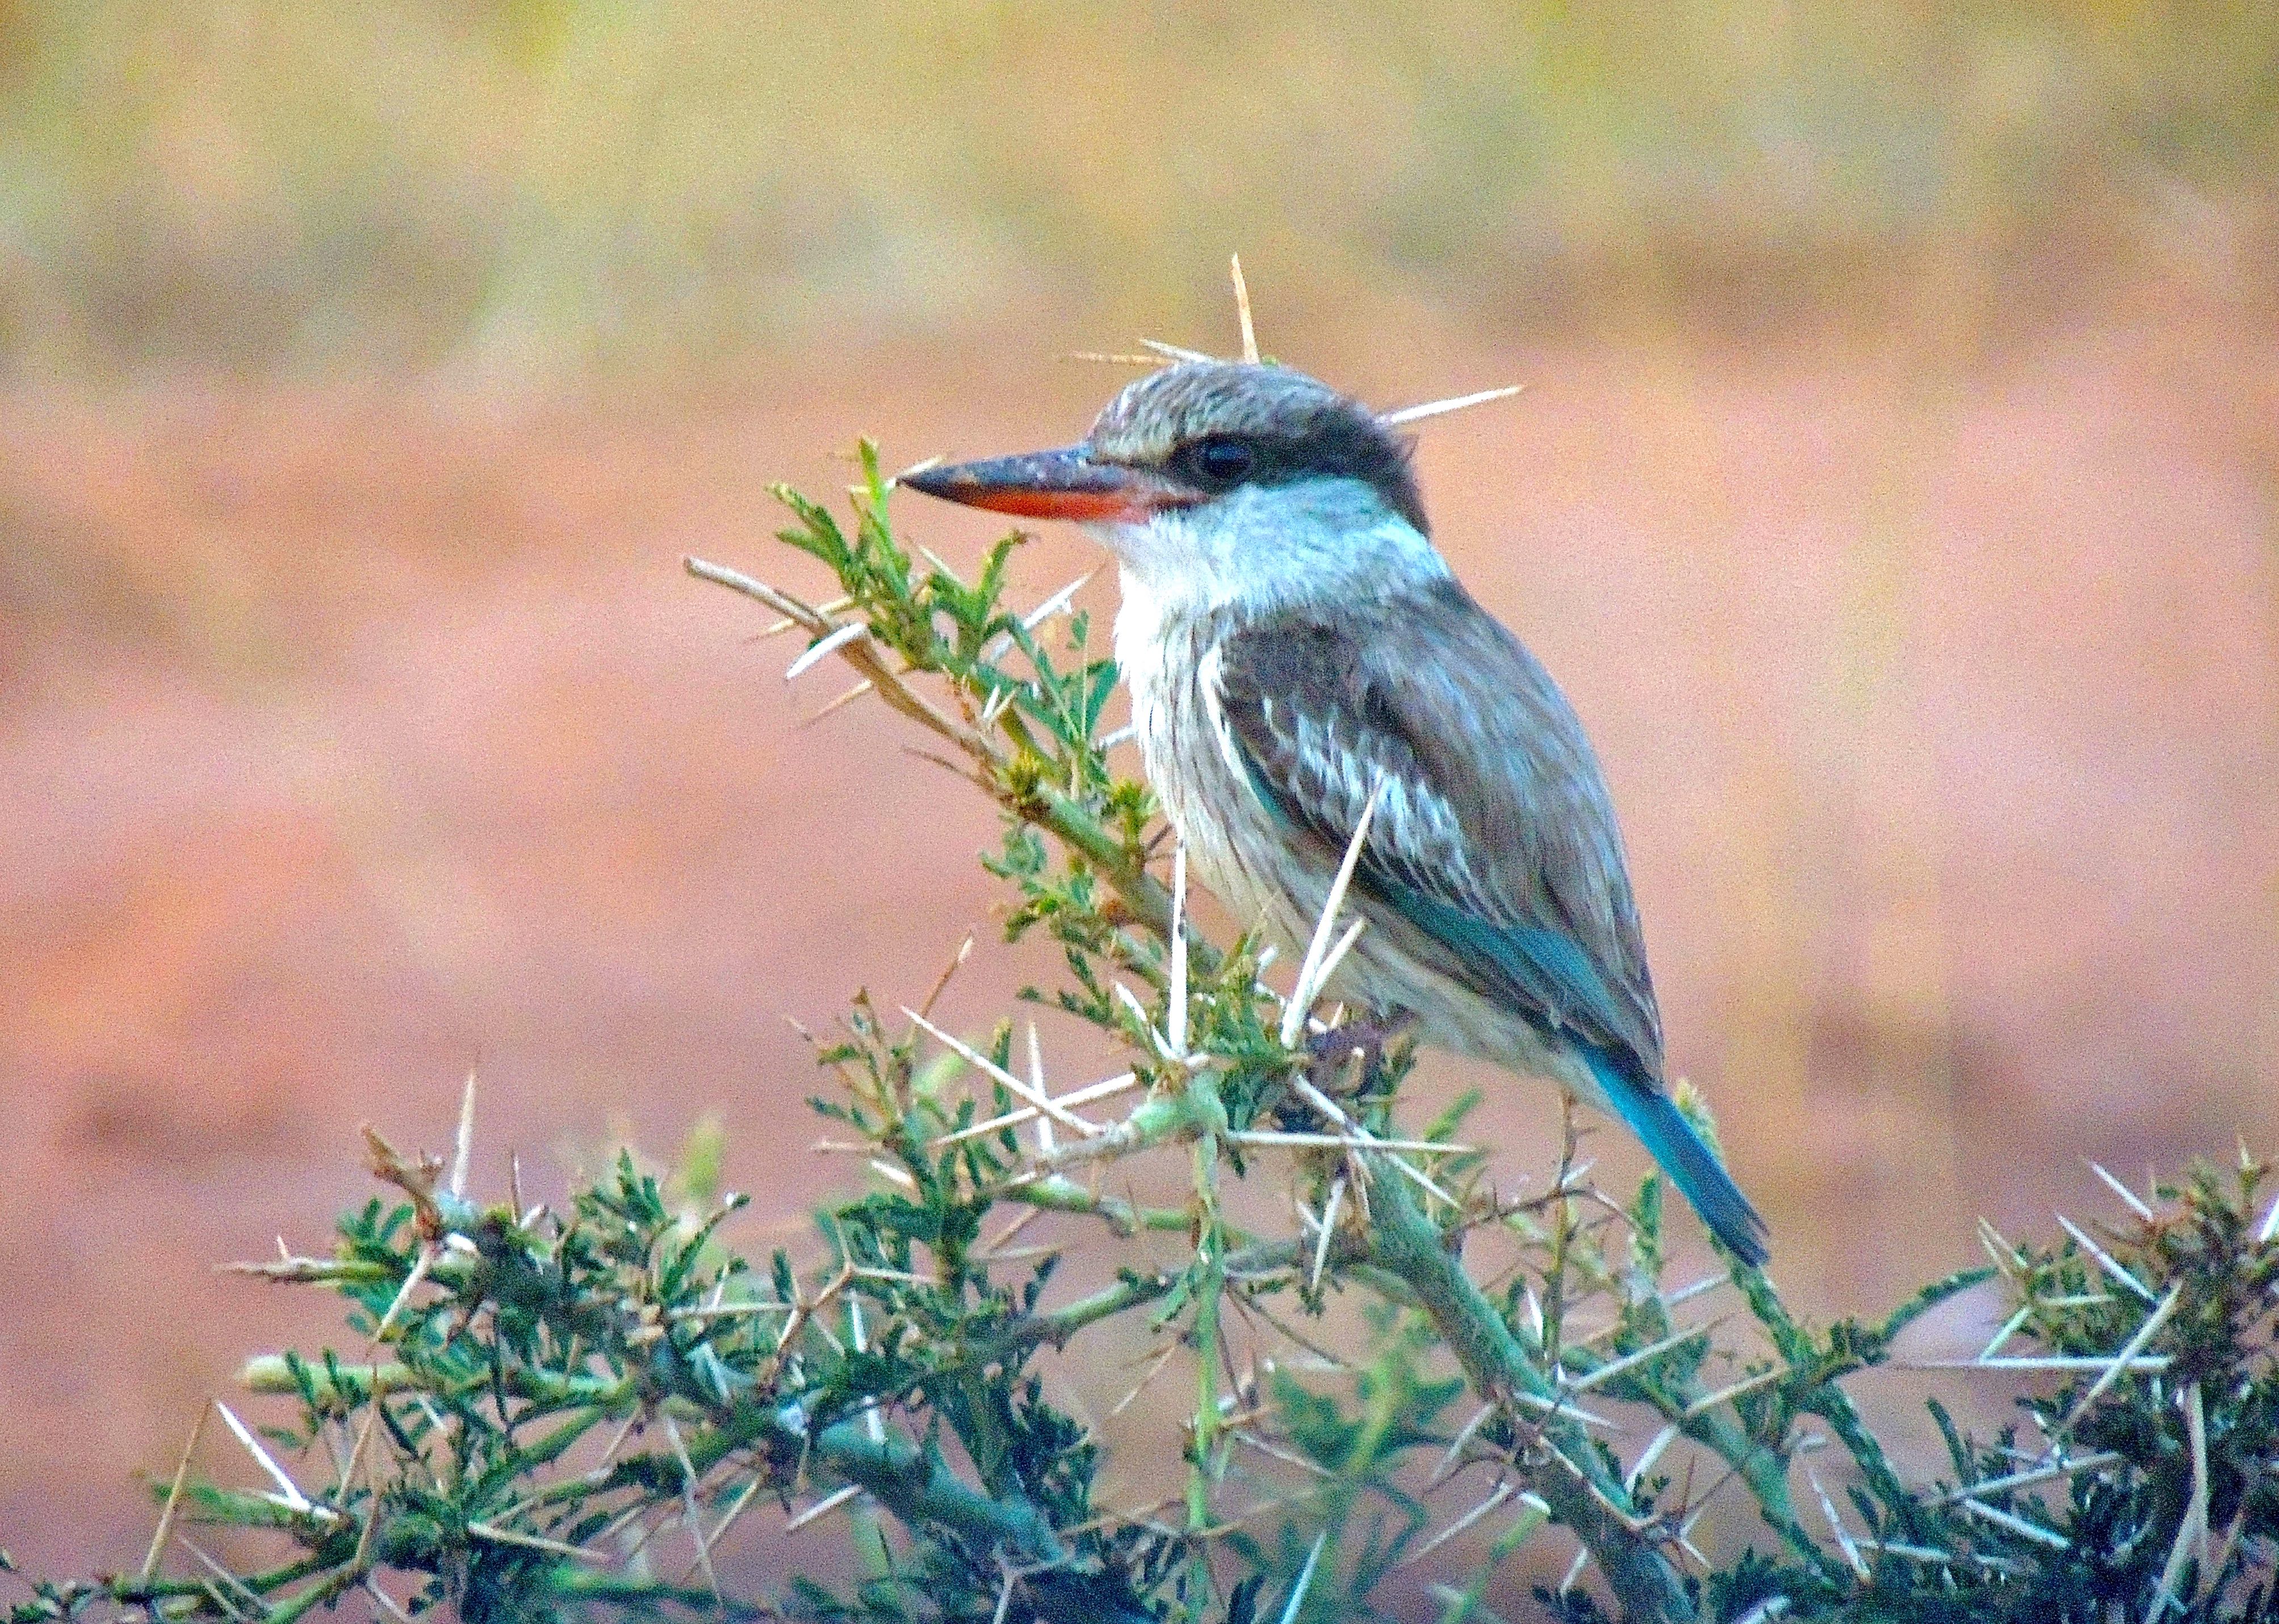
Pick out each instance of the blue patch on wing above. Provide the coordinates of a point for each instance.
(1548, 966)
(1552, 979)
(1554, 973)
(1277, 804)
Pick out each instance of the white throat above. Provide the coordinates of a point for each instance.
(1255, 552)
(1262, 549)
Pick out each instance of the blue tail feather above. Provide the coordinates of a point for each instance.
(1691, 1166)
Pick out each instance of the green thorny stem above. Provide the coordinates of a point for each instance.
(1568, 1475)
(1210, 1242)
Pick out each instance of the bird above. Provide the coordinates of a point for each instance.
(1300, 657)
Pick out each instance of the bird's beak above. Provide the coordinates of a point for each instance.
(1061, 485)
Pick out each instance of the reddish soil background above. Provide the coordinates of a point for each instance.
(351, 739)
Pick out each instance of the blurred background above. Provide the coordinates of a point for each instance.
(1893, 491)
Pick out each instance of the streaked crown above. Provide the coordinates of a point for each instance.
(1214, 425)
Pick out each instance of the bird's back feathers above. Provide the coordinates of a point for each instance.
(1494, 834)
(1494, 837)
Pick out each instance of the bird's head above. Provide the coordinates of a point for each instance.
(1218, 482)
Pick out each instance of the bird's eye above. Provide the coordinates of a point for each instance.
(1218, 460)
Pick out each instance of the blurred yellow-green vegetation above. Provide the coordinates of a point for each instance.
(535, 185)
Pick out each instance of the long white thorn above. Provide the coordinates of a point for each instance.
(1175, 1019)
(2193, 1532)
(1450, 1464)
(2121, 1361)
(1121, 1083)
(1345, 1141)
(1844, 1539)
(1020, 1090)
(462, 1147)
(2027, 1478)
(2105, 1259)
(1999, 1251)
(823, 1507)
(2009, 1329)
(2017, 1525)
(691, 1511)
(1747, 1384)
(1173, 352)
(1130, 1000)
(843, 701)
(1329, 1228)
(823, 650)
(1699, 1288)
(1330, 1108)
(1043, 612)
(1337, 953)
(1441, 408)
(1045, 1144)
(874, 1421)
(1496, 1497)
(2148, 1364)
(2128, 1195)
(1302, 996)
(1305, 1579)
(165, 1529)
(387, 1603)
(1058, 601)
(287, 1488)
(1631, 1362)
(421, 1265)
(1651, 1453)
(1242, 311)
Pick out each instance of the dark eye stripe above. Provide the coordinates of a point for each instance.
(1289, 427)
